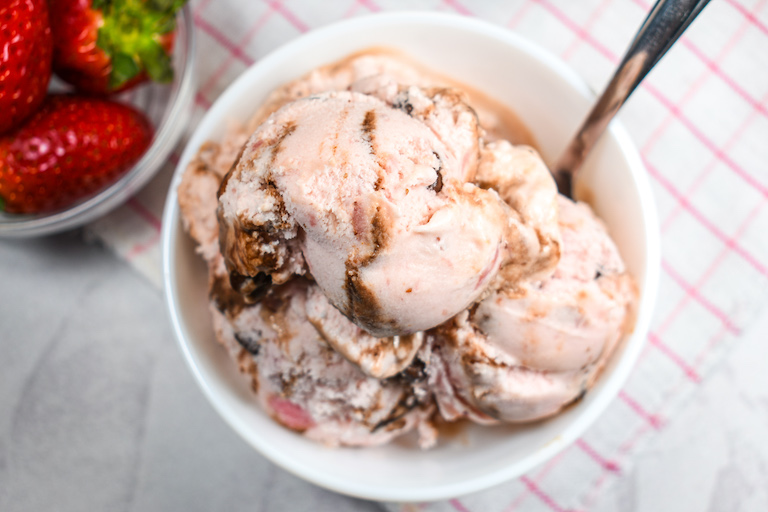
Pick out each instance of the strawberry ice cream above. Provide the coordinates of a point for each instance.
(380, 255)
(306, 385)
(377, 205)
(297, 377)
(528, 350)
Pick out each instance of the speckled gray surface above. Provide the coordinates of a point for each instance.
(97, 408)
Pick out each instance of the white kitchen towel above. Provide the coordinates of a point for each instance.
(701, 123)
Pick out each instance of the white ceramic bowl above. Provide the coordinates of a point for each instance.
(551, 99)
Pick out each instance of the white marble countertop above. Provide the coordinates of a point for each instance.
(99, 412)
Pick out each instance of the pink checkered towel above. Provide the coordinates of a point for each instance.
(701, 123)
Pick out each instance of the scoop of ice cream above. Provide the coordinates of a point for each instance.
(528, 350)
(306, 385)
(298, 378)
(377, 205)
(524, 182)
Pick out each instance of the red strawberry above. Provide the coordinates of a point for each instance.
(104, 46)
(72, 147)
(25, 59)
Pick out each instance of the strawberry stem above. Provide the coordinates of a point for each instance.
(134, 35)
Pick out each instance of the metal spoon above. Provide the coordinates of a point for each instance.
(665, 23)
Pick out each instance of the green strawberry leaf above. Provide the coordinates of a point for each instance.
(166, 25)
(160, 5)
(157, 63)
(131, 35)
(123, 69)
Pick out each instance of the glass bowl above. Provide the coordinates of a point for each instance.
(167, 107)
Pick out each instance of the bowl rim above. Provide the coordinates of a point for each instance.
(163, 142)
(613, 382)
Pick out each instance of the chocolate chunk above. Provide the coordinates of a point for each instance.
(253, 288)
(249, 341)
(224, 297)
(415, 373)
(599, 271)
(403, 407)
(437, 186)
(404, 105)
(369, 126)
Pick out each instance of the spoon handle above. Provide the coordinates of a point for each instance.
(665, 23)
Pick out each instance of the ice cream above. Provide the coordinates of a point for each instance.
(306, 385)
(379, 255)
(296, 376)
(528, 350)
(377, 205)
